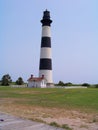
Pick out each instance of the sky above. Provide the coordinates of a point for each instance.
(74, 39)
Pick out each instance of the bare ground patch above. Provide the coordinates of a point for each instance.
(76, 119)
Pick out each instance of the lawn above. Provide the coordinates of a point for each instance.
(74, 108)
(82, 99)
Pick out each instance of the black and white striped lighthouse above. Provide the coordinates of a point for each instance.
(45, 67)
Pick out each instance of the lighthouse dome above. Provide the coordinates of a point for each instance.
(46, 14)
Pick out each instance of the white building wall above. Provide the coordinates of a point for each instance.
(30, 84)
(37, 84)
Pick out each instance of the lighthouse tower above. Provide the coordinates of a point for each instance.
(45, 66)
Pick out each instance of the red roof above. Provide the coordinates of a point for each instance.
(36, 78)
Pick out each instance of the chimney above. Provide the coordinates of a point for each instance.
(31, 76)
(43, 76)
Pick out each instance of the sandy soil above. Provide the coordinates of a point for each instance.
(75, 119)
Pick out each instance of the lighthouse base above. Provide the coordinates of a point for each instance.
(47, 75)
(50, 85)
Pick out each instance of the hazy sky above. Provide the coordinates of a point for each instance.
(74, 39)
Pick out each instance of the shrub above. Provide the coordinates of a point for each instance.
(65, 126)
(86, 84)
(96, 85)
(68, 84)
(54, 124)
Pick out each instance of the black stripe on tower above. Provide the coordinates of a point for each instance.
(46, 21)
(45, 64)
(46, 42)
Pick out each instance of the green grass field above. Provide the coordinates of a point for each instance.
(82, 99)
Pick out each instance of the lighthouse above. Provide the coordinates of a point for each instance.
(45, 65)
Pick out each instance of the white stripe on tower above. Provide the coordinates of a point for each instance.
(45, 67)
(46, 32)
(45, 53)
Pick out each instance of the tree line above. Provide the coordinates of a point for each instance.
(62, 84)
(6, 80)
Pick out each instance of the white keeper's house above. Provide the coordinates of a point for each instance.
(37, 82)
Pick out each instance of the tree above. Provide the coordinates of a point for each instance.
(6, 80)
(60, 83)
(19, 81)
